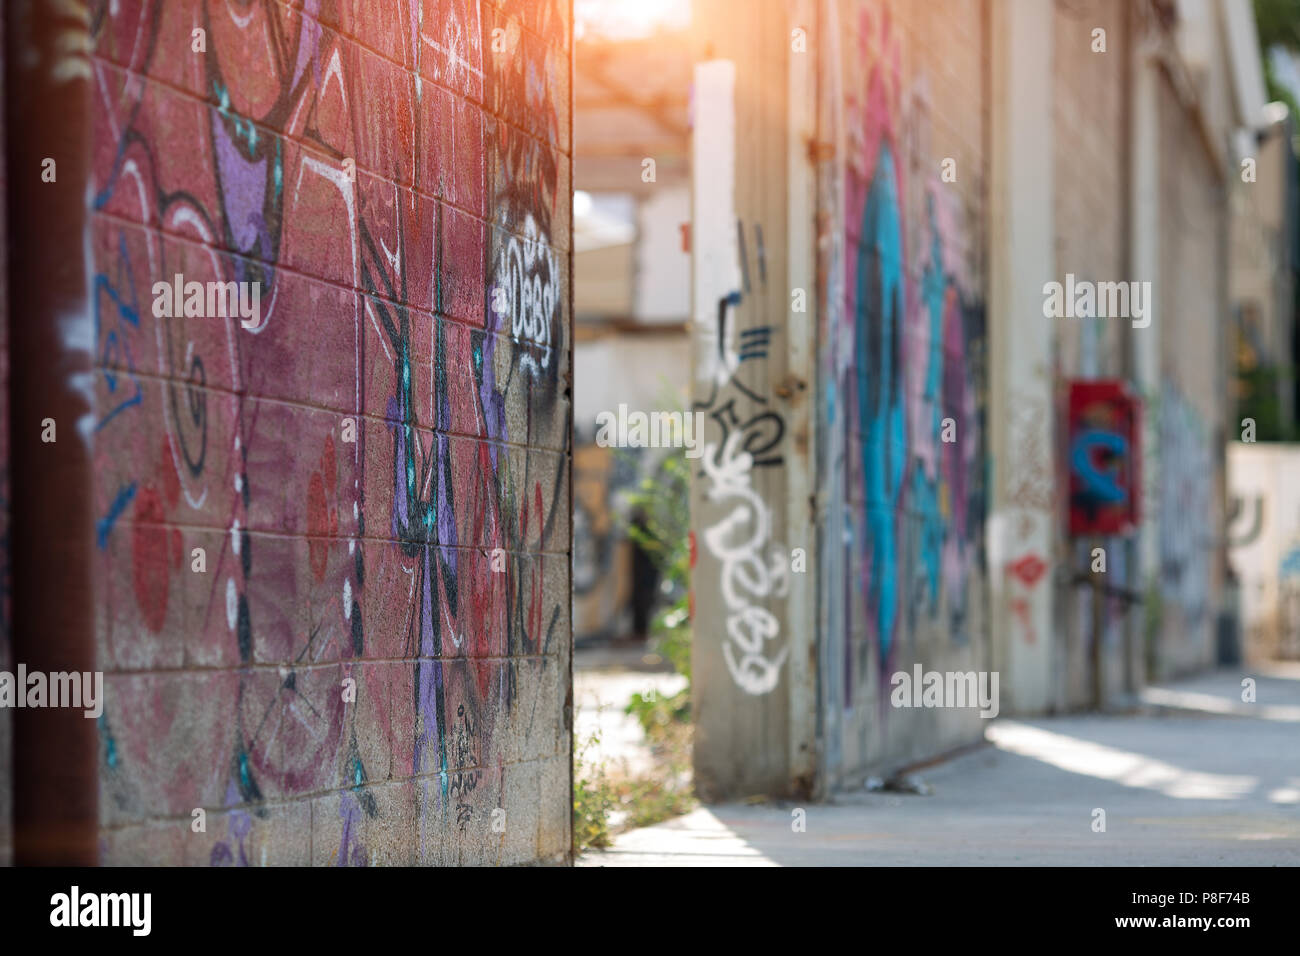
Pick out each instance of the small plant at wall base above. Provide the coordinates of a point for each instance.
(652, 799)
(593, 799)
(661, 529)
(663, 533)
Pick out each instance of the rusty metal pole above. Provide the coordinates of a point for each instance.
(46, 99)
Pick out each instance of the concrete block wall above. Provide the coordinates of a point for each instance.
(902, 345)
(377, 472)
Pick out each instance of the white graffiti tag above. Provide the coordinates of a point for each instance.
(737, 540)
(527, 272)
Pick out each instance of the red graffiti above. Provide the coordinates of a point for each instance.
(1028, 569)
(322, 518)
(1020, 608)
(149, 545)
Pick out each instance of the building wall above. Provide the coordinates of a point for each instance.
(663, 266)
(751, 562)
(603, 280)
(902, 570)
(1190, 407)
(950, 556)
(377, 473)
(1090, 167)
(1095, 186)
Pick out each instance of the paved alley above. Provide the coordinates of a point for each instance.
(1180, 783)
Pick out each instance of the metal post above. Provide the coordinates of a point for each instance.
(47, 87)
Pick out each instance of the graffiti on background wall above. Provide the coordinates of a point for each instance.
(753, 567)
(1025, 572)
(1102, 458)
(1186, 474)
(404, 240)
(905, 357)
(1245, 519)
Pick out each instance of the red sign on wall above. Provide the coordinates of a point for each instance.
(1103, 458)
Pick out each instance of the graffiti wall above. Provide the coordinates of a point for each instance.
(1186, 548)
(332, 529)
(902, 403)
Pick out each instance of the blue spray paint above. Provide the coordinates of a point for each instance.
(878, 338)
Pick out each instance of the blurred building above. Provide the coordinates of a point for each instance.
(631, 279)
(1265, 261)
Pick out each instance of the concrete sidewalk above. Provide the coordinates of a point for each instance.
(1277, 693)
(1182, 785)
